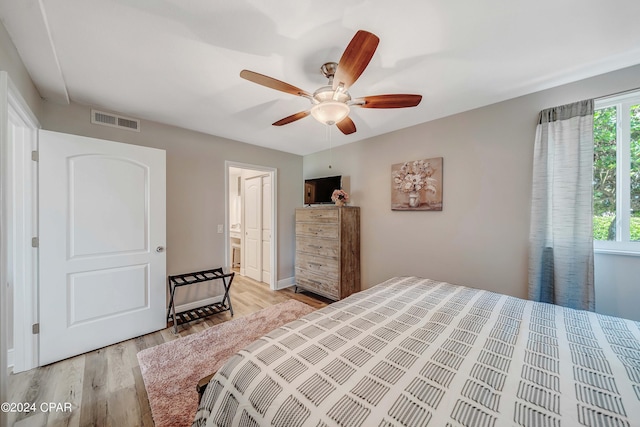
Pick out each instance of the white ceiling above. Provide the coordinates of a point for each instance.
(178, 62)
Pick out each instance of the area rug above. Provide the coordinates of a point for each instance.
(172, 370)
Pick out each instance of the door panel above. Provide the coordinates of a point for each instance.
(98, 294)
(266, 229)
(102, 216)
(252, 227)
(94, 213)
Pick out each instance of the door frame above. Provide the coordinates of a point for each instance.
(19, 227)
(273, 173)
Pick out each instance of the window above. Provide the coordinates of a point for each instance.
(616, 173)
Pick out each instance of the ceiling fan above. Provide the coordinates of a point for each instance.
(332, 103)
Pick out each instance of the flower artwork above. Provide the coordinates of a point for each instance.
(340, 197)
(417, 185)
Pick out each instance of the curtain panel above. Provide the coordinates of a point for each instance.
(561, 236)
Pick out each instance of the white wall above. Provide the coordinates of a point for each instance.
(618, 285)
(480, 238)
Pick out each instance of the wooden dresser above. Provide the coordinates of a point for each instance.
(328, 250)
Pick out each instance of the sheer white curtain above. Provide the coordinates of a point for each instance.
(561, 237)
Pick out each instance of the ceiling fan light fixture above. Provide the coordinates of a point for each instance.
(330, 112)
(331, 104)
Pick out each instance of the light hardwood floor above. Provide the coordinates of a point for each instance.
(105, 386)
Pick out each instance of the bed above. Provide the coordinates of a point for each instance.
(417, 352)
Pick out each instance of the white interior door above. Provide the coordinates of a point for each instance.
(102, 237)
(253, 228)
(266, 229)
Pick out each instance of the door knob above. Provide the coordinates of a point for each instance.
(160, 249)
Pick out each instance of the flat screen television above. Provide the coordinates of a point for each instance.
(318, 190)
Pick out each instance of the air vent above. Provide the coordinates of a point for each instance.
(114, 120)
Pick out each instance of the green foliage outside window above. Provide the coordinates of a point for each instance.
(602, 228)
(604, 173)
(604, 162)
(635, 161)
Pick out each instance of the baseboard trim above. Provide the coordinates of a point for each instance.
(285, 283)
(197, 304)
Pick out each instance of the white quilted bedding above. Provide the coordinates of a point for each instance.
(415, 352)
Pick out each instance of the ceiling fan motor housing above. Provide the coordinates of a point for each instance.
(329, 69)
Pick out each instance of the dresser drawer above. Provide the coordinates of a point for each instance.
(315, 246)
(327, 231)
(318, 265)
(321, 285)
(317, 215)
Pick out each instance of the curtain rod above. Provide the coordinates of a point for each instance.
(613, 95)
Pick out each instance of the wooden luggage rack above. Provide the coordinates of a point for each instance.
(206, 310)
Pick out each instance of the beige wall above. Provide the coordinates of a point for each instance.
(480, 237)
(195, 186)
(11, 63)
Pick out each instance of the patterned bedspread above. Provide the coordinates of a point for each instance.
(415, 352)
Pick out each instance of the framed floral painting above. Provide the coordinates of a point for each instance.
(417, 185)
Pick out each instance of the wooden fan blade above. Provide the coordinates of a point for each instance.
(272, 83)
(292, 118)
(346, 126)
(387, 101)
(355, 58)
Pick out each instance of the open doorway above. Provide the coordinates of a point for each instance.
(251, 221)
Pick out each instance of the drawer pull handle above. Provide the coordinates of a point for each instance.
(315, 282)
(315, 264)
(315, 247)
(316, 230)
